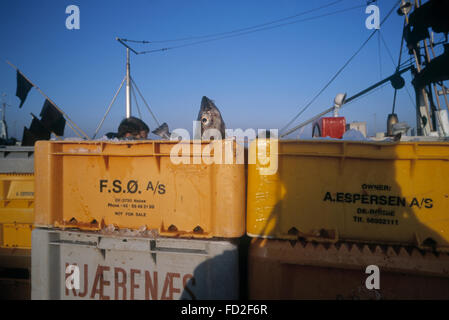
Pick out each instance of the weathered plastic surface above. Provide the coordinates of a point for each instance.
(132, 268)
(135, 184)
(281, 269)
(16, 187)
(14, 159)
(16, 210)
(330, 190)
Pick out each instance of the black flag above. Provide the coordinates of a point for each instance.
(52, 119)
(38, 129)
(36, 132)
(29, 138)
(23, 87)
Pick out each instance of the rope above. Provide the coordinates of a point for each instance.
(213, 35)
(135, 99)
(336, 75)
(146, 104)
(248, 32)
(109, 109)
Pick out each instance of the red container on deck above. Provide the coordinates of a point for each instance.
(333, 127)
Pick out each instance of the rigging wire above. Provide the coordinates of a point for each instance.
(366, 95)
(399, 63)
(402, 65)
(145, 102)
(237, 30)
(135, 99)
(109, 108)
(380, 56)
(251, 31)
(337, 74)
(388, 50)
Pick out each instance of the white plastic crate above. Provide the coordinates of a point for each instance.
(14, 159)
(121, 267)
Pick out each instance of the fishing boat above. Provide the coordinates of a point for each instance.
(318, 218)
(343, 211)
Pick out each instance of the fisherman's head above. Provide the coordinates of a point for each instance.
(133, 128)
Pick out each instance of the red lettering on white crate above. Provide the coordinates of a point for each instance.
(124, 289)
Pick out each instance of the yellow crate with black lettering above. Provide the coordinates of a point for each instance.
(175, 188)
(331, 190)
(16, 210)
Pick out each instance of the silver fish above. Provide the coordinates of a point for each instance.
(162, 131)
(210, 117)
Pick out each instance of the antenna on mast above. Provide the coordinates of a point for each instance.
(129, 83)
(128, 77)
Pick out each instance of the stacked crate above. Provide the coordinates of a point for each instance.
(16, 220)
(348, 219)
(133, 221)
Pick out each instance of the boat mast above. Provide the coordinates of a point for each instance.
(421, 101)
(3, 126)
(128, 85)
(128, 76)
(427, 112)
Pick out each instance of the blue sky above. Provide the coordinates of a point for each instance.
(259, 80)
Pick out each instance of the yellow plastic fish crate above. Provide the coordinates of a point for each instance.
(137, 185)
(329, 190)
(16, 210)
